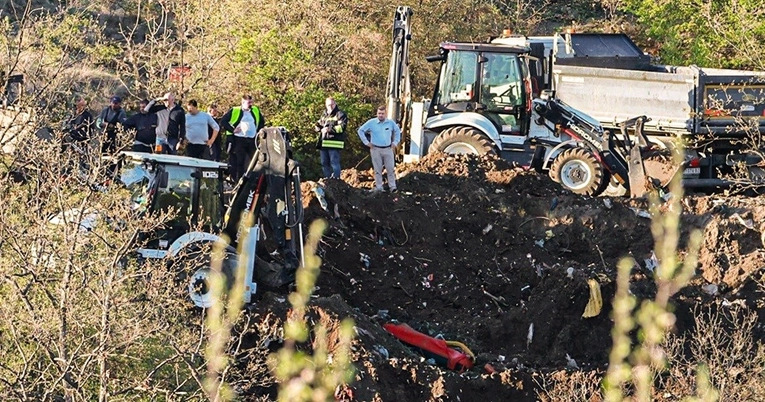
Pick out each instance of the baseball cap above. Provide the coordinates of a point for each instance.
(116, 99)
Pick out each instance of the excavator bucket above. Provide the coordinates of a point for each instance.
(650, 170)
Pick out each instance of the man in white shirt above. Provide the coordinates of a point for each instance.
(382, 136)
(197, 124)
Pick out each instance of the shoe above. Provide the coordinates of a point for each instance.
(375, 191)
(394, 190)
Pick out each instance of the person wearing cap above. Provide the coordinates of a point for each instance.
(145, 126)
(242, 123)
(197, 124)
(110, 117)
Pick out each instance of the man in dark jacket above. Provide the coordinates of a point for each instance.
(145, 126)
(242, 124)
(79, 126)
(110, 117)
(176, 124)
(331, 129)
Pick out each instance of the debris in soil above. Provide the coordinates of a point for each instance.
(500, 258)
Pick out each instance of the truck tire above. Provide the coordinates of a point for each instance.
(195, 272)
(577, 170)
(463, 140)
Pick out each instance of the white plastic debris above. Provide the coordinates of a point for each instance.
(540, 243)
(746, 222)
(500, 358)
(499, 191)
(364, 259)
(607, 203)
(570, 272)
(530, 335)
(652, 263)
(571, 363)
(641, 213)
(487, 229)
(710, 289)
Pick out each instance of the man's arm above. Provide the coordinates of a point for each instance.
(396, 134)
(363, 133)
(215, 127)
(342, 122)
(262, 120)
(225, 121)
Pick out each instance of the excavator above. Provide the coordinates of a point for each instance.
(267, 196)
(487, 101)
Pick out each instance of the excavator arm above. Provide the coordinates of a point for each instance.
(268, 192)
(399, 90)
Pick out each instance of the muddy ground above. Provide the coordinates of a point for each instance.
(478, 251)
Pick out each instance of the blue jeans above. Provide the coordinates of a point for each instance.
(330, 163)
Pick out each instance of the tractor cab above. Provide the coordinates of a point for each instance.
(189, 188)
(486, 79)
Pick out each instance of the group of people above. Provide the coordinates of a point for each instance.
(162, 125)
(380, 134)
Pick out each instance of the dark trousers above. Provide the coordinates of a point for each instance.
(242, 151)
(109, 144)
(330, 162)
(215, 152)
(199, 151)
(172, 146)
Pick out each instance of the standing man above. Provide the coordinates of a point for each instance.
(79, 126)
(197, 125)
(242, 123)
(331, 138)
(145, 126)
(214, 136)
(382, 136)
(176, 124)
(107, 122)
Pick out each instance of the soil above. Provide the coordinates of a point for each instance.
(498, 257)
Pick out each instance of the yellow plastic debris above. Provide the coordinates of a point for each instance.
(596, 301)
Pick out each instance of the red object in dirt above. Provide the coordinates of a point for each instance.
(438, 349)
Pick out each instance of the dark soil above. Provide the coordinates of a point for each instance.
(477, 251)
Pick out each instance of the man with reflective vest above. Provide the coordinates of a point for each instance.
(241, 124)
(331, 138)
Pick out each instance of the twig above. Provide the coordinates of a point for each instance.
(531, 219)
(405, 234)
(398, 286)
(420, 259)
(601, 257)
(362, 160)
(495, 299)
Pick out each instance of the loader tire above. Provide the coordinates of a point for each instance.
(463, 140)
(577, 170)
(194, 273)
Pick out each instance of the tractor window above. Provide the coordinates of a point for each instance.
(178, 194)
(210, 201)
(135, 176)
(458, 77)
(502, 82)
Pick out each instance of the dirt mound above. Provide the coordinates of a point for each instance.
(498, 257)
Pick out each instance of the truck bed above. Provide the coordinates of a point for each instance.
(681, 101)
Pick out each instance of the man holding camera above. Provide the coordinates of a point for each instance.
(331, 129)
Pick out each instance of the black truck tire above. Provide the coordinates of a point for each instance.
(463, 140)
(577, 170)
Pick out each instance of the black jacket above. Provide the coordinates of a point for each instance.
(176, 125)
(336, 122)
(79, 127)
(145, 125)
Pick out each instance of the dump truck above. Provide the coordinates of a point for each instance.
(718, 113)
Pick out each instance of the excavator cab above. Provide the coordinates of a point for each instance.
(485, 79)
